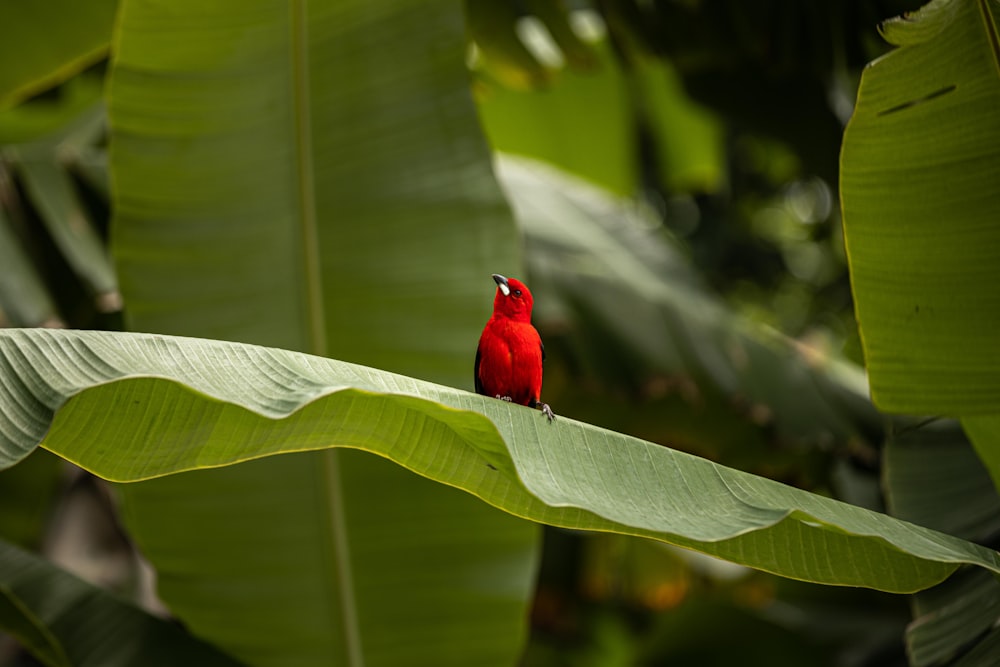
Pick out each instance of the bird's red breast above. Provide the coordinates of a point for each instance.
(510, 361)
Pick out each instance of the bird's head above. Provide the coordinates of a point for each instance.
(513, 300)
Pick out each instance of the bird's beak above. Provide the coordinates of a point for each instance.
(502, 284)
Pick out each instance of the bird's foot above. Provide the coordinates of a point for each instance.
(544, 407)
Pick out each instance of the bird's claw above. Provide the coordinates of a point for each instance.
(547, 410)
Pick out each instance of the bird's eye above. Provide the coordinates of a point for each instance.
(517, 292)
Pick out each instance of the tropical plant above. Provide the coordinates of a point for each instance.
(312, 179)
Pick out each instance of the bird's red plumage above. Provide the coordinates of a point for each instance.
(510, 361)
(510, 353)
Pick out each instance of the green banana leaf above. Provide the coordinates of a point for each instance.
(955, 623)
(41, 145)
(933, 476)
(919, 167)
(67, 622)
(919, 172)
(53, 193)
(920, 238)
(312, 176)
(44, 43)
(23, 297)
(338, 197)
(136, 406)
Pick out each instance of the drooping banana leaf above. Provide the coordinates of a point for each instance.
(135, 406)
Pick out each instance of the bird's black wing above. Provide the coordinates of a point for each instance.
(542, 345)
(479, 383)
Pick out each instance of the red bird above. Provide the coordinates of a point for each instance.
(510, 353)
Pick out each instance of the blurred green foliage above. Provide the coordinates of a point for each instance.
(721, 120)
